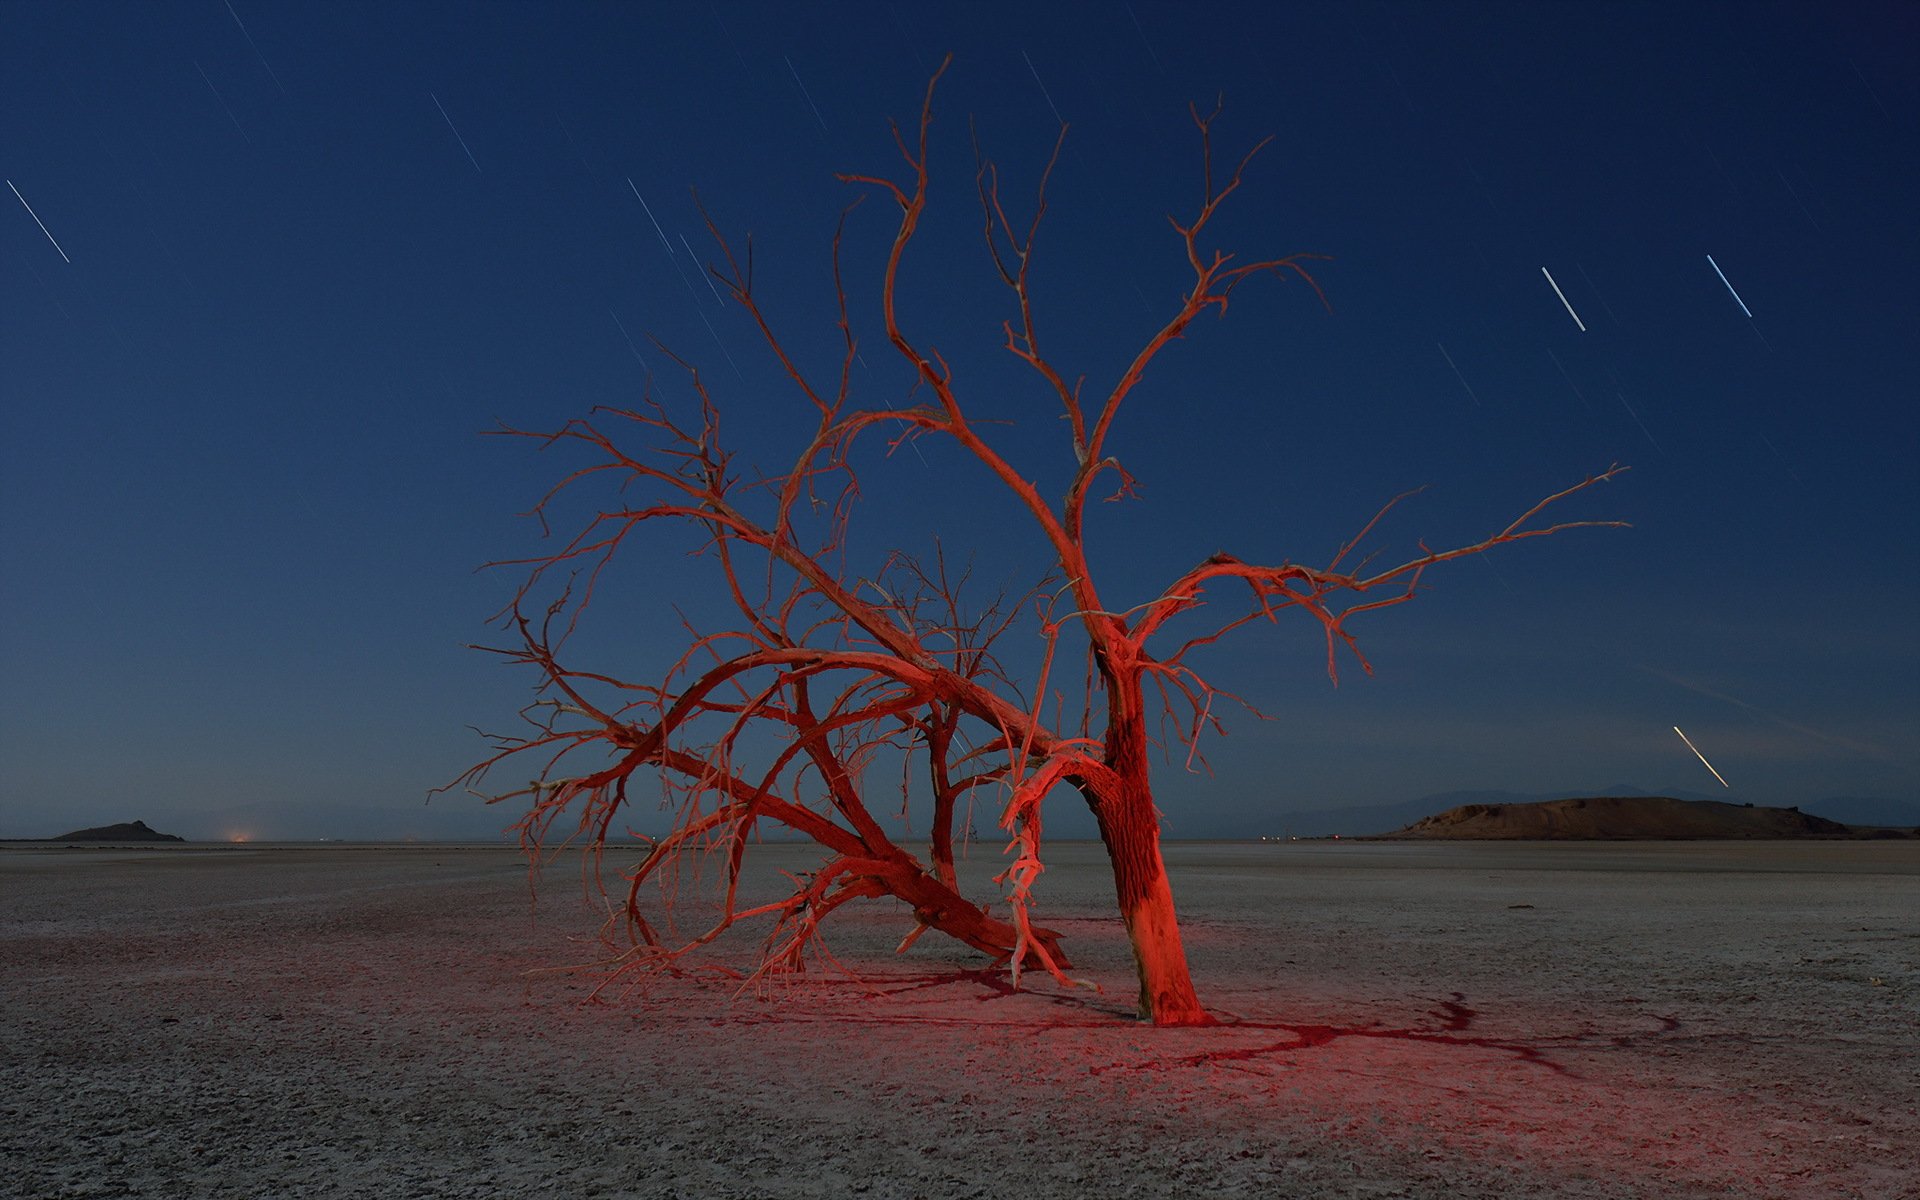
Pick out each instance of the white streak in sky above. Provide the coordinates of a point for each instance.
(703, 272)
(809, 96)
(1870, 91)
(1598, 294)
(256, 48)
(649, 210)
(456, 133)
(1797, 200)
(36, 218)
(1730, 291)
(722, 22)
(907, 41)
(629, 337)
(716, 338)
(698, 311)
(1877, 751)
(223, 102)
(1568, 378)
(1701, 757)
(577, 151)
(1563, 299)
(1143, 39)
(1459, 376)
(1043, 89)
(1639, 422)
(1768, 442)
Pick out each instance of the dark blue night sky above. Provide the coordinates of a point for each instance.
(316, 249)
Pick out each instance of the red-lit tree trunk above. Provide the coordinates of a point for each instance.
(1131, 834)
(1129, 824)
(1130, 828)
(771, 720)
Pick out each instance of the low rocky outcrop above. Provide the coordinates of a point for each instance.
(1603, 818)
(126, 831)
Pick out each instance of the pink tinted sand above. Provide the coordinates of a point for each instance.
(1673, 1020)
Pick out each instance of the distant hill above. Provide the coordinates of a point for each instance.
(1623, 818)
(1373, 818)
(128, 831)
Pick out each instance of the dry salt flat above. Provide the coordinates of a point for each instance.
(1436, 1021)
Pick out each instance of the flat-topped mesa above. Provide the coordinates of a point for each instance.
(1623, 818)
(126, 831)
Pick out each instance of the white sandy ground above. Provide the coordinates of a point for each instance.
(1664, 1021)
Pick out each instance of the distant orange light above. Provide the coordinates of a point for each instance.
(238, 837)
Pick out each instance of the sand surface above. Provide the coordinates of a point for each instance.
(1437, 1021)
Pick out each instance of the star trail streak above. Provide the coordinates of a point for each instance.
(223, 102)
(1043, 89)
(704, 276)
(233, 301)
(1570, 383)
(1700, 756)
(271, 73)
(1563, 299)
(650, 217)
(809, 97)
(1637, 421)
(1730, 291)
(1598, 294)
(36, 218)
(1457, 375)
(456, 132)
(623, 333)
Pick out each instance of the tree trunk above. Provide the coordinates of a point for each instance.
(939, 742)
(939, 907)
(1131, 830)
(1130, 827)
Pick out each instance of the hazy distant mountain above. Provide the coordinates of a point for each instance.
(1867, 810)
(1384, 818)
(126, 831)
(1610, 818)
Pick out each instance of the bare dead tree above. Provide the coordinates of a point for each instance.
(843, 668)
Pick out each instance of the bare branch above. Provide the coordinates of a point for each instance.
(816, 673)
